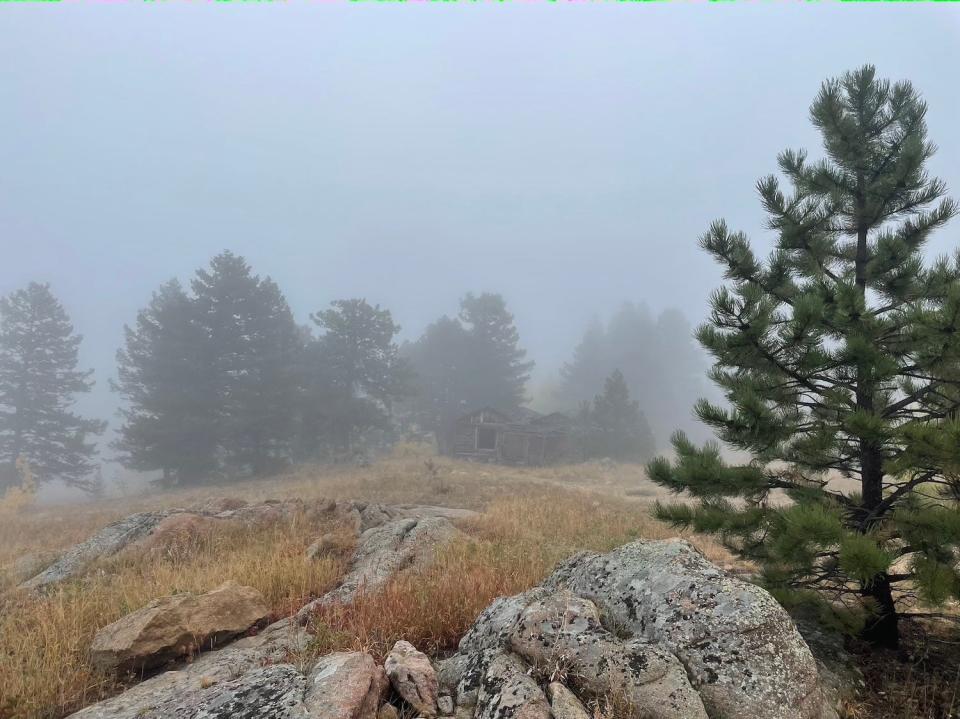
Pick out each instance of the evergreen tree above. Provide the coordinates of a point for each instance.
(586, 370)
(38, 382)
(662, 366)
(839, 354)
(171, 410)
(251, 353)
(499, 373)
(357, 368)
(442, 388)
(622, 430)
(462, 365)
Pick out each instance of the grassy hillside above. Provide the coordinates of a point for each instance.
(532, 519)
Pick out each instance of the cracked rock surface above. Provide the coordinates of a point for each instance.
(657, 627)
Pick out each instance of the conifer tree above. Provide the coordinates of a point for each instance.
(467, 363)
(499, 372)
(251, 347)
(360, 373)
(171, 410)
(658, 357)
(38, 383)
(585, 371)
(622, 430)
(442, 390)
(839, 355)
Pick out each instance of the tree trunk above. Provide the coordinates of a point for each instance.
(881, 628)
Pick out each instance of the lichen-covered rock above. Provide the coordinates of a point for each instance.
(413, 678)
(182, 694)
(445, 705)
(508, 692)
(345, 685)
(170, 627)
(564, 703)
(740, 648)
(492, 629)
(108, 541)
(673, 634)
(382, 552)
(647, 681)
(271, 692)
(178, 532)
(375, 515)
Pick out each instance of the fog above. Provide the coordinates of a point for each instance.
(565, 156)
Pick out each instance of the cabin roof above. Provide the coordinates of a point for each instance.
(522, 420)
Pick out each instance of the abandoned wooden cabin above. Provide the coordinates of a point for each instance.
(523, 438)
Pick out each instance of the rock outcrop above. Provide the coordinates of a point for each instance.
(345, 685)
(654, 625)
(564, 703)
(227, 682)
(251, 678)
(563, 632)
(509, 691)
(650, 630)
(413, 677)
(160, 529)
(384, 550)
(108, 541)
(175, 626)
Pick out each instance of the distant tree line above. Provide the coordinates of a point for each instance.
(218, 379)
(659, 361)
(221, 380)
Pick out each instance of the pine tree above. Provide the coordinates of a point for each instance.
(622, 430)
(442, 391)
(171, 407)
(38, 382)
(658, 357)
(586, 370)
(360, 371)
(251, 346)
(499, 373)
(839, 354)
(464, 364)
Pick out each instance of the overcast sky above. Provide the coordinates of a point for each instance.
(566, 155)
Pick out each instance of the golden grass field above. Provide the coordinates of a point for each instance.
(533, 518)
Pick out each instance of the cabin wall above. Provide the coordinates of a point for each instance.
(514, 443)
(465, 444)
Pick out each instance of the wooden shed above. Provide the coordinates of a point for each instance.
(522, 438)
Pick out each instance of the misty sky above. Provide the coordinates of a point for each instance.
(568, 156)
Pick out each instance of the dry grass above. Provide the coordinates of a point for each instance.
(536, 518)
(403, 477)
(533, 519)
(44, 670)
(515, 546)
